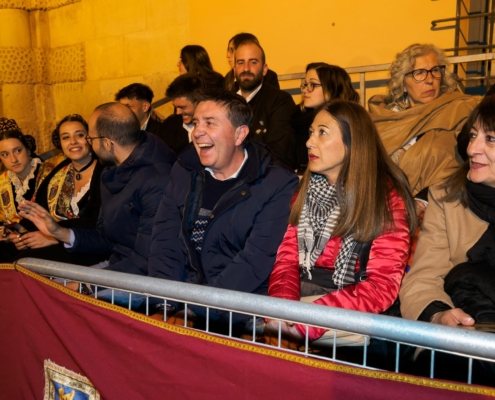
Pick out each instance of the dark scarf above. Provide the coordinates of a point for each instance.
(481, 201)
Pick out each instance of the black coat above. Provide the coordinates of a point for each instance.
(272, 113)
(130, 194)
(241, 240)
(174, 134)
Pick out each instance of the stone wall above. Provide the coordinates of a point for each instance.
(65, 57)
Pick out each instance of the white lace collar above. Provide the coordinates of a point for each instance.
(75, 199)
(21, 187)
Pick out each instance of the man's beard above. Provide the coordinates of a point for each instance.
(249, 85)
(106, 158)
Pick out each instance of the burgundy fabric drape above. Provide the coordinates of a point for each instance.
(130, 356)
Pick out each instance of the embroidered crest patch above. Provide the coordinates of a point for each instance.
(6, 199)
(63, 384)
(53, 193)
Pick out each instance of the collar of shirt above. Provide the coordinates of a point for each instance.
(189, 128)
(145, 125)
(236, 173)
(253, 93)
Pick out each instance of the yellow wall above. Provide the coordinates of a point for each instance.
(344, 32)
(67, 56)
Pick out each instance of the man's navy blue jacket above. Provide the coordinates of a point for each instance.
(130, 194)
(246, 226)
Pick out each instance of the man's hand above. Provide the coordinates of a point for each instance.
(454, 317)
(36, 240)
(43, 221)
(291, 339)
(179, 317)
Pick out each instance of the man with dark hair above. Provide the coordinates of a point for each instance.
(138, 169)
(225, 211)
(272, 107)
(138, 98)
(185, 92)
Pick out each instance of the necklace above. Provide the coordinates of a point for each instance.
(78, 173)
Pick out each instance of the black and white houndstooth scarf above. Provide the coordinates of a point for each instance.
(318, 219)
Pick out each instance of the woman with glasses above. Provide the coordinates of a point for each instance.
(71, 193)
(323, 82)
(20, 180)
(419, 119)
(194, 60)
(349, 229)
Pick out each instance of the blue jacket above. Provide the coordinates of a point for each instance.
(130, 194)
(241, 240)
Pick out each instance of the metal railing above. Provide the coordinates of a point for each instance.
(363, 70)
(473, 345)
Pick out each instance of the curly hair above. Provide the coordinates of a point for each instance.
(404, 63)
(68, 118)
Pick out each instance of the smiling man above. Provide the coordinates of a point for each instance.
(225, 211)
(185, 92)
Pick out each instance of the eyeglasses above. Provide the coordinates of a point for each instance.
(420, 75)
(90, 139)
(310, 86)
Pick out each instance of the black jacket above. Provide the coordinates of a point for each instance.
(242, 238)
(174, 134)
(130, 194)
(272, 113)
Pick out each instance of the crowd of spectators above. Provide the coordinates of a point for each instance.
(210, 195)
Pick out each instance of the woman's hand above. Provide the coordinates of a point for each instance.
(454, 317)
(17, 240)
(290, 338)
(420, 207)
(36, 240)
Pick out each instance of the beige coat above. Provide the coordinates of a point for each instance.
(449, 230)
(434, 156)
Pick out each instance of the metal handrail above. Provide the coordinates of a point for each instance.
(362, 70)
(469, 342)
(434, 23)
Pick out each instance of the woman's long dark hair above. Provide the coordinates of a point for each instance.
(197, 62)
(366, 178)
(335, 82)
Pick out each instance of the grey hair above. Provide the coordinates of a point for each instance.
(404, 63)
